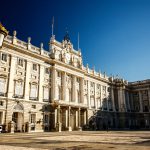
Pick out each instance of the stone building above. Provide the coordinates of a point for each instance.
(53, 91)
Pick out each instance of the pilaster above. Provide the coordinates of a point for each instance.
(41, 83)
(11, 76)
(112, 98)
(53, 91)
(27, 80)
(140, 100)
(74, 89)
(88, 97)
(64, 86)
(149, 98)
(95, 95)
(82, 90)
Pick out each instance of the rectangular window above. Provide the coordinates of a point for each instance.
(34, 106)
(20, 62)
(4, 57)
(45, 93)
(35, 67)
(1, 103)
(33, 91)
(18, 88)
(2, 86)
(33, 118)
(45, 118)
(47, 70)
(1, 116)
(92, 102)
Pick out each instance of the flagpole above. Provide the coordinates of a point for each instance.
(53, 26)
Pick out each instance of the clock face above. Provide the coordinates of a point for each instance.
(68, 57)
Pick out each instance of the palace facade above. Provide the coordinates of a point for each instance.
(53, 91)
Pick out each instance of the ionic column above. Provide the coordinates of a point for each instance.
(58, 126)
(79, 120)
(69, 119)
(64, 86)
(140, 100)
(112, 98)
(85, 117)
(82, 90)
(11, 76)
(27, 80)
(53, 91)
(74, 89)
(41, 83)
(66, 119)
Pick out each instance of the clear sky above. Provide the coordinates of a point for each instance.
(114, 34)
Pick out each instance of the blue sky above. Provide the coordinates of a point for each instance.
(114, 34)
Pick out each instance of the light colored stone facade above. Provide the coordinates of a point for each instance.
(54, 91)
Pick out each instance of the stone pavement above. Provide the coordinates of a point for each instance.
(86, 140)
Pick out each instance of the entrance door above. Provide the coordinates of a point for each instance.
(17, 117)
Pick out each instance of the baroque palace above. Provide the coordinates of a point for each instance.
(53, 91)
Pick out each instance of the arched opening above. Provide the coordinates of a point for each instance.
(17, 118)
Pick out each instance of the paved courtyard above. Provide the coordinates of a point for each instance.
(85, 140)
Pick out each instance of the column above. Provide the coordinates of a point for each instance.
(79, 120)
(85, 117)
(27, 80)
(74, 89)
(53, 81)
(95, 95)
(58, 125)
(82, 90)
(41, 83)
(64, 86)
(66, 119)
(11, 76)
(140, 100)
(69, 119)
(112, 98)
(88, 97)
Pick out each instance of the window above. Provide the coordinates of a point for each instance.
(92, 102)
(33, 91)
(33, 106)
(2, 86)
(35, 67)
(45, 93)
(92, 84)
(47, 70)
(20, 62)
(45, 118)
(18, 89)
(1, 116)
(33, 118)
(1, 103)
(4, 57)
(58, 74)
